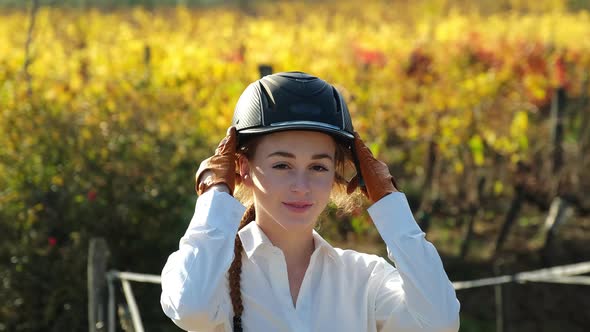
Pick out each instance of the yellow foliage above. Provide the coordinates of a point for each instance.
(179, 72)
(498, 187)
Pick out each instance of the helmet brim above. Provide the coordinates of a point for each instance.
(298, 125)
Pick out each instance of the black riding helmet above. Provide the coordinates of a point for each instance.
(291, 101)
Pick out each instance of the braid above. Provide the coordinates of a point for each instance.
(235, 271)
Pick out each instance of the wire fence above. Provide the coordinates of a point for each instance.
(564, 274)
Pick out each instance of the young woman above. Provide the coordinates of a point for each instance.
(264, 268)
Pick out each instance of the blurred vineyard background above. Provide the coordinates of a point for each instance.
(480, 108)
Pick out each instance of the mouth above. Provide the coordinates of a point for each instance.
(298, 207)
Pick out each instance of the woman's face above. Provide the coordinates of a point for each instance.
(291, 175)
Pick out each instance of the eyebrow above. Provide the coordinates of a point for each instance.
(290, 155)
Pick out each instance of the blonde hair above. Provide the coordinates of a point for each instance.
(339, 198)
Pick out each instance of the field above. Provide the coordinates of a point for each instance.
(482, 115)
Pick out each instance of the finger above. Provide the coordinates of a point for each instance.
(228, 143)
(365, 192)
(361, 148)
(394, 183)
(203, 169)
(233, 139)
(352, 185)
(221, 146)
(358, 141)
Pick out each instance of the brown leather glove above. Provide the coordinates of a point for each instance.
(375, 173)
(221, 167)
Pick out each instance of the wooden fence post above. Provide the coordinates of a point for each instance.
(558, 103)
(559, 212)
(428, 204)
(98, 254)
(264, 70)
(500, 297)
(515, 207)
(473, 213)
(147, 63)
(28, 58)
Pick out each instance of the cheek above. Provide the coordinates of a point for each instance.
(324, 183)
(268, 181)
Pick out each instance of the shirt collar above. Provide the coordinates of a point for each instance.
(323, 245)
(254, 239)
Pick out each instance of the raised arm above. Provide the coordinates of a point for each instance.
(417, 296)
(194, 285)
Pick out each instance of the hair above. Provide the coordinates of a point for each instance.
(235, 271)
(344, 168)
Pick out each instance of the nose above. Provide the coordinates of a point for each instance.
(300, 183)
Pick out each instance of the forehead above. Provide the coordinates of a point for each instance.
(298, 142)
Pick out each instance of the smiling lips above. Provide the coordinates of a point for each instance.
(298, 207)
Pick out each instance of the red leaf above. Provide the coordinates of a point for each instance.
(369, 57)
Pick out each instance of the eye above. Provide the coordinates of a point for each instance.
(319, 168)
(280, 166)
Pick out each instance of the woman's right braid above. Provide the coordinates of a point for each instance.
(235, 271)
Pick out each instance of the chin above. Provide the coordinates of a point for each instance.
(297, 223)
(293, 222)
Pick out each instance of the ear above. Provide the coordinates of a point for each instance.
(244, 169)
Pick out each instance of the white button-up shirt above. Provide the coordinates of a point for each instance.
(342, 290)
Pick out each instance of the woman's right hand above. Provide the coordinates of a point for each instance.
(219, 169)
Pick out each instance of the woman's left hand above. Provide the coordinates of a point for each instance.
(375, 173)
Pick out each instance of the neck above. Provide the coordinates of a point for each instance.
(297, 246)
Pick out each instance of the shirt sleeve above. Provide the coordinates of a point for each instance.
(416, 295)
(194, 286)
